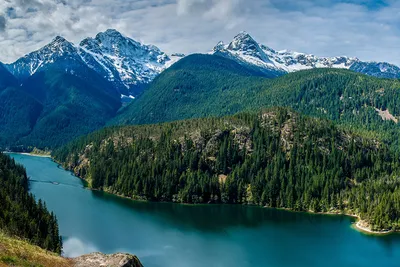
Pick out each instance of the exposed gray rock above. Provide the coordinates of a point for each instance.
(114, 260)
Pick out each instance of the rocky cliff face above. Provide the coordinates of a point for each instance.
(114, 260)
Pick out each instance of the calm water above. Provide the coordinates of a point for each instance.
(209, 235)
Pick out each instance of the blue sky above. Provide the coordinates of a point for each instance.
(366, 29)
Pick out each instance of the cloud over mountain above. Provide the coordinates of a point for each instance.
(363, 28)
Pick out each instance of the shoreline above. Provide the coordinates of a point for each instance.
(359, 225)
(27, 154)
(356, 225)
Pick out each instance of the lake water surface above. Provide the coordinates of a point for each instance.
(164, 234)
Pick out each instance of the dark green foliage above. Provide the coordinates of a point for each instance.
(72, 106)
(6, 78)
(18, 110)
(18, 115)
(204, 85)
(20, 214)
(76, 103)
(196, 86)
(276, 158)
(56, 105)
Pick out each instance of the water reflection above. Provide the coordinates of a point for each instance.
(219, 218)
(216, 218)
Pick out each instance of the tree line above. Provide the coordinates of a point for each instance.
(20, 214)
(276, 158)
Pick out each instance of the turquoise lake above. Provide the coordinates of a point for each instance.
(173, 235)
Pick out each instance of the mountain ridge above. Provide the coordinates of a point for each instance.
(130, 65)
(247, 51)
(68, 90)
(126, 63)
(194, 88)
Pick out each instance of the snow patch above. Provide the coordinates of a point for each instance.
(127, 96)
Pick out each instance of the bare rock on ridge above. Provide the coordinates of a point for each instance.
(114, 260)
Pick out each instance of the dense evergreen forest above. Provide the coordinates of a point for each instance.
(204, 85)
(52, 107)
(20, 214)
(275, 158)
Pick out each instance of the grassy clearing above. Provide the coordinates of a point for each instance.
(16, 252)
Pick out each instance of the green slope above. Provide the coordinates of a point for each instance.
(6, 78)
(20, 214)
(196, 86)
(205, 85)
(18, 252)
(54, 106)
(18, 110)
(72, 106)
(18, 115)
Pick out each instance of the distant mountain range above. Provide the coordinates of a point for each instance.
(130, 65)
(245, 50)
(63, 90)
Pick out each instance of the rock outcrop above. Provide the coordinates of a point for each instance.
(113, 260)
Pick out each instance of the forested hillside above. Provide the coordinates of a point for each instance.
(18, 111)
(20, 214)
(204, 85)
(276, 158)
(54, 106)
(67, 99)
(72, 105)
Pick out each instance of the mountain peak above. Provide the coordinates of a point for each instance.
(244, 44)
(59, 39)
(59, 44)
(219, 47)
(243, 41)
(122, 60)
(111, 33)
(58, 48)
(243, 34)
(115, 36)
(114, 42)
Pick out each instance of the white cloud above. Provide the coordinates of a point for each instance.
(323, 27)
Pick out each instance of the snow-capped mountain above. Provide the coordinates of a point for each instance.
(35, 61)
(129, 65)
(126, 63)
(245, 50)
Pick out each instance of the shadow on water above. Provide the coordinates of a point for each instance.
(217, 217)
